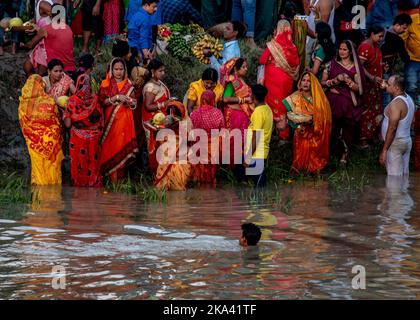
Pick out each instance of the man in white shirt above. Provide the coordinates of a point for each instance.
(398, 117)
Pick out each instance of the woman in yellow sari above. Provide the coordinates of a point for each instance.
(41, 127)
(311, 142)
(209, 81)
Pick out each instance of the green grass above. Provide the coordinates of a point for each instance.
(14, 189)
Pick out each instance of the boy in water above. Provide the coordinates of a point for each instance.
(251, 234)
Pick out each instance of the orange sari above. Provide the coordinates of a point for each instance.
(119, 142)
(311, 142)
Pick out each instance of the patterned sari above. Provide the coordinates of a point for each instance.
(236, 119)
(119, 142)
(41, 128)
(281, 60)
(58, 89)
(86, 116)
(372, 99)
(161, 93)
(174, 175)
(207, 117)
(311, 142)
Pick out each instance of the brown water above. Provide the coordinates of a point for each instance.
(114, 247)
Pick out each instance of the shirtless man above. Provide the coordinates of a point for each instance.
(398, 117)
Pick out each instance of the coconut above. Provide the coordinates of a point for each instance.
(4, 23)
(62, 101)
(159, 118)
(15, 22)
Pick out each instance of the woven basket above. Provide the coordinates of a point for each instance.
(299, 118)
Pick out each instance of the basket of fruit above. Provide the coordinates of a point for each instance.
(299, 118)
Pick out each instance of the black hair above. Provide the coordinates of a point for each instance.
(86, 61)
(154, 64)
(375, 29)
(290, 10)
(399, 82)
(402, 19)
(210, 74)
(121, 60)
(323, 31)
(55, 62)
(251, 233)
(349, 47)
(240, 28)
(120, 48)
(148, 2)
(259, 92)
(238, 65)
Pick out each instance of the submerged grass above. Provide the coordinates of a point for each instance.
(14, 189)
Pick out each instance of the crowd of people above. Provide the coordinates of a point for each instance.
(317, 66)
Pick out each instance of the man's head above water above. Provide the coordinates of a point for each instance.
(251, 234)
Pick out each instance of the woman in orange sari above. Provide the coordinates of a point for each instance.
(171, 173)
(155, 99)
(40, 122)
(311, 141)
(119, 142)
(281, 61)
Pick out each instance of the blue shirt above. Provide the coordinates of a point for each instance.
(179, 11)
(140, 31)
(135, 6)
(230, 50)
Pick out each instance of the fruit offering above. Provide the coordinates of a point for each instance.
(207, 42)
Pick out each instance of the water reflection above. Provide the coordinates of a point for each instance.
(114, 246)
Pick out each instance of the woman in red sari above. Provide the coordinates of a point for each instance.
(281, 61)
(119, 142)
(371, 57)
(83, 115)
(155, 99)
(207, 117)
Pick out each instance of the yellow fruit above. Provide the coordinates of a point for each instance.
(15, 22)
(159, 118)
(62, 101)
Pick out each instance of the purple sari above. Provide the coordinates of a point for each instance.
(346, 104)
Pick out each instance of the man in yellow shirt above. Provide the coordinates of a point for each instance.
(412, 69)
(259, 136)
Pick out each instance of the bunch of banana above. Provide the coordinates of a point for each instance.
(178, 46)
(207, 42)
(195, 28)
(177, 28)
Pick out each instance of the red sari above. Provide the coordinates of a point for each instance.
(281, 62)
(207, 117)
(119, 142)
(86, 116)
(372, 99)
(162, 94)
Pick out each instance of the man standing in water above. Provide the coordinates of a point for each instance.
(398, 117)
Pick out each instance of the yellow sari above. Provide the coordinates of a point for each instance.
(197, 88)
(41, 128)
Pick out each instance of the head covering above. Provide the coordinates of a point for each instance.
(208, 98)
(360, 77)
(322, 115)
(226, 71)
(34, 95)
(106, 83)
(283, 50)
(176, 107)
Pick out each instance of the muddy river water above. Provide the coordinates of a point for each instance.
(88, 244)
